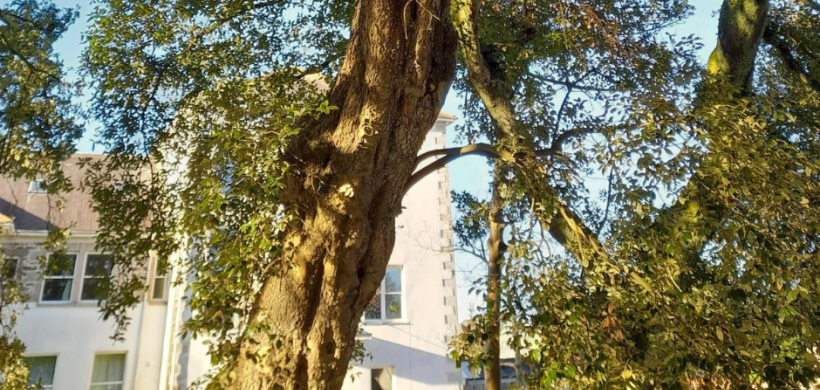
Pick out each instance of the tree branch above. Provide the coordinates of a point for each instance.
(32, 68)
(809, 3)
(563, 224)
(481, 149)
(452, 154)
(570, 84)
(792, 63)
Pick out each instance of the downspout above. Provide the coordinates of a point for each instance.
(135, 364)
(169, 347)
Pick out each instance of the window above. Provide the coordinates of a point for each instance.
(381, 378)
(159, 292)
(38, 185)
(108, 372)
(58, 278)
(41, 371)
(8, 270)
(95, 277)
(387, 303)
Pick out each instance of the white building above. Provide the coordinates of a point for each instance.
(69, 346)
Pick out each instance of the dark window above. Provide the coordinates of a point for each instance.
(9, 268)
(58, 278)
(96, 277)
(381, 378)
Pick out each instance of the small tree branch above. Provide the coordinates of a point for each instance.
(572, 85)
(558, 142)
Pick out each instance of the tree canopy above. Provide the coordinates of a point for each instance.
(38, 129)
(228, 157)
(698, 263)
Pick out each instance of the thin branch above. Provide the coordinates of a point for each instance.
(558, 142)
(602, 223)
(571, 84)
(23, 58)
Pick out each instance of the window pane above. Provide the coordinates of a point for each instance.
(381, 378)
(374, 309)
(108, 368)
(159, 288)
(9, 268)
(98, 265)
(41, 370)
(94, 289)
(95, 283)
(56, 289)
(60, 265)
(106, 387)
(393, 302)
(38, 185)
(392, 280)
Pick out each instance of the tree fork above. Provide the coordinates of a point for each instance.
(350, 170)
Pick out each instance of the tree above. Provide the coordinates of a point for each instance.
(282, 197)
(289, 201)
(685, 284)
(38, 130)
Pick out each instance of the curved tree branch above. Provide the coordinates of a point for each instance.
(481, 149)
(563, 224)
(792, 63)
(452, 154)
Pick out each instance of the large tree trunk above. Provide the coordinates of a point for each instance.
(351, 167)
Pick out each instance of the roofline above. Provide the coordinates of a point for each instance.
(88, 155)
(445, 117)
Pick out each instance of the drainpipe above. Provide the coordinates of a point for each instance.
(169, 347)
(139, 327)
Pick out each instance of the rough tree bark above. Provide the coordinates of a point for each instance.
(351, 167)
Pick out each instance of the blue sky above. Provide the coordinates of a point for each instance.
(466, 174)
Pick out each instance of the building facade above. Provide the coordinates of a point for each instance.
(68, 346)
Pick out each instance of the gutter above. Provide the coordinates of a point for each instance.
(44, 233)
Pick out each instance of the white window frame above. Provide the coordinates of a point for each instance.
(166, 279)
(124, 370)
(40, 189)
(73, 278)
(56, 360)
(84, 276)
(382, 292)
